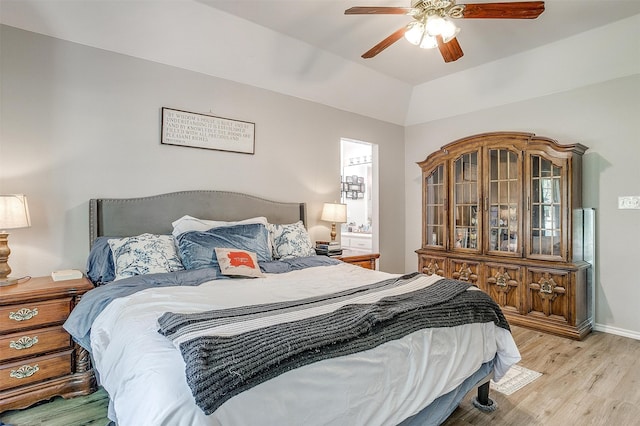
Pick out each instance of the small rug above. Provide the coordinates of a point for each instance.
(516, 378)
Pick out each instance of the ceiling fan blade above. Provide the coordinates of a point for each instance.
(384, 43)
(517, 10)
(378, 10)
(450, 51)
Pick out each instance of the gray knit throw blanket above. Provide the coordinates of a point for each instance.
(220, 367)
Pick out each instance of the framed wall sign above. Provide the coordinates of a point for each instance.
(196, 130)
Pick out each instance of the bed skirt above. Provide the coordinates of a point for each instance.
(442, 407)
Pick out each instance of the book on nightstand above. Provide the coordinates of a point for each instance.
(328, 248)
(328, 245)
(66, 274)
(329, 253)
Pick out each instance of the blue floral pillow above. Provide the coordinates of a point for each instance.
(144, 254)
(198, 249)
(291, 240)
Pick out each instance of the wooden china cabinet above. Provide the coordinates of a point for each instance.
(503, 211)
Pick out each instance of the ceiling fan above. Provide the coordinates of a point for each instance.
(432, 26)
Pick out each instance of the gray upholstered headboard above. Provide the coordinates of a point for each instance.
(123, 217)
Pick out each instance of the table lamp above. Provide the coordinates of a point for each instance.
(14, 213)
(333, 212)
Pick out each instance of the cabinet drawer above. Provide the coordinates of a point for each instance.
(33, 342)
(465, 270)
(358, 243)
(433, 265)
(35, 370)
(34, 314)
(505, 285)
(548, 293)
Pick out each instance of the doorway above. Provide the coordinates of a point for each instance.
(359, 191)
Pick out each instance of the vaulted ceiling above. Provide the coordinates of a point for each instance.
(323, 24)
(311, 50)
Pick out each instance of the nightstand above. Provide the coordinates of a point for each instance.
(38, 358)
(365, 260)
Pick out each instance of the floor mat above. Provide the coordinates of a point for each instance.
(516, 378)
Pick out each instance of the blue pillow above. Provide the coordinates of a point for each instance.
(100, 267)
(197, 248)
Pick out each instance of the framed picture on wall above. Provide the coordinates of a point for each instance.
(194, 130)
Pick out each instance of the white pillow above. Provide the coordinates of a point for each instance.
(240, 263)
(144, 254)
(291, 240)
(189, 223)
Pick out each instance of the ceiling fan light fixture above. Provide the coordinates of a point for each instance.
(414, 32)
(428, 42)
(433, 20)
(437, 25)
(449, 31)
(434, 25)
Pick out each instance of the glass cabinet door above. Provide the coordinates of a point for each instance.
(435, 200)
(504, 202)
(546, 207)
(466, 212)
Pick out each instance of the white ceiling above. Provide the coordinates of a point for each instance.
(322, 23)
(310, 50)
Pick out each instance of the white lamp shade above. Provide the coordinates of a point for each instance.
(414, 32)
(449, 31)
(14, 212)
(434, 26)
(428, 42)
(334, 213)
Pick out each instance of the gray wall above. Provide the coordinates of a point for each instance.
(604, 117)
(80, 123)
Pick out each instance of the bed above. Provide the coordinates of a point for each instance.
(247, 339)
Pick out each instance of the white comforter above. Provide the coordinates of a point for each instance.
(144, 373)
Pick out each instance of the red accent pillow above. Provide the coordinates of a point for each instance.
(235, 262)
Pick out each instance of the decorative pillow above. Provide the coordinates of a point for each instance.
(190, 223)
(236, 262)
(290, 241)
(100, 268)
(197, 249)
(144, 254)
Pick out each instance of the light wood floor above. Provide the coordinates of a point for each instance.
(592, 382)
(595, 381)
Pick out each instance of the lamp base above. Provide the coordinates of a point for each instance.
(8, 281)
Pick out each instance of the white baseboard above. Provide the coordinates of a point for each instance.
(617, 331)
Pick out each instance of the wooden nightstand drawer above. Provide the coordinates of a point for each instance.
(30, 315)
(38, 359)
(33, 342)
(35, 370)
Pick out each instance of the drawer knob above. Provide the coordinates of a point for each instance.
(23, 314)
(24, 372)
(24, 342)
